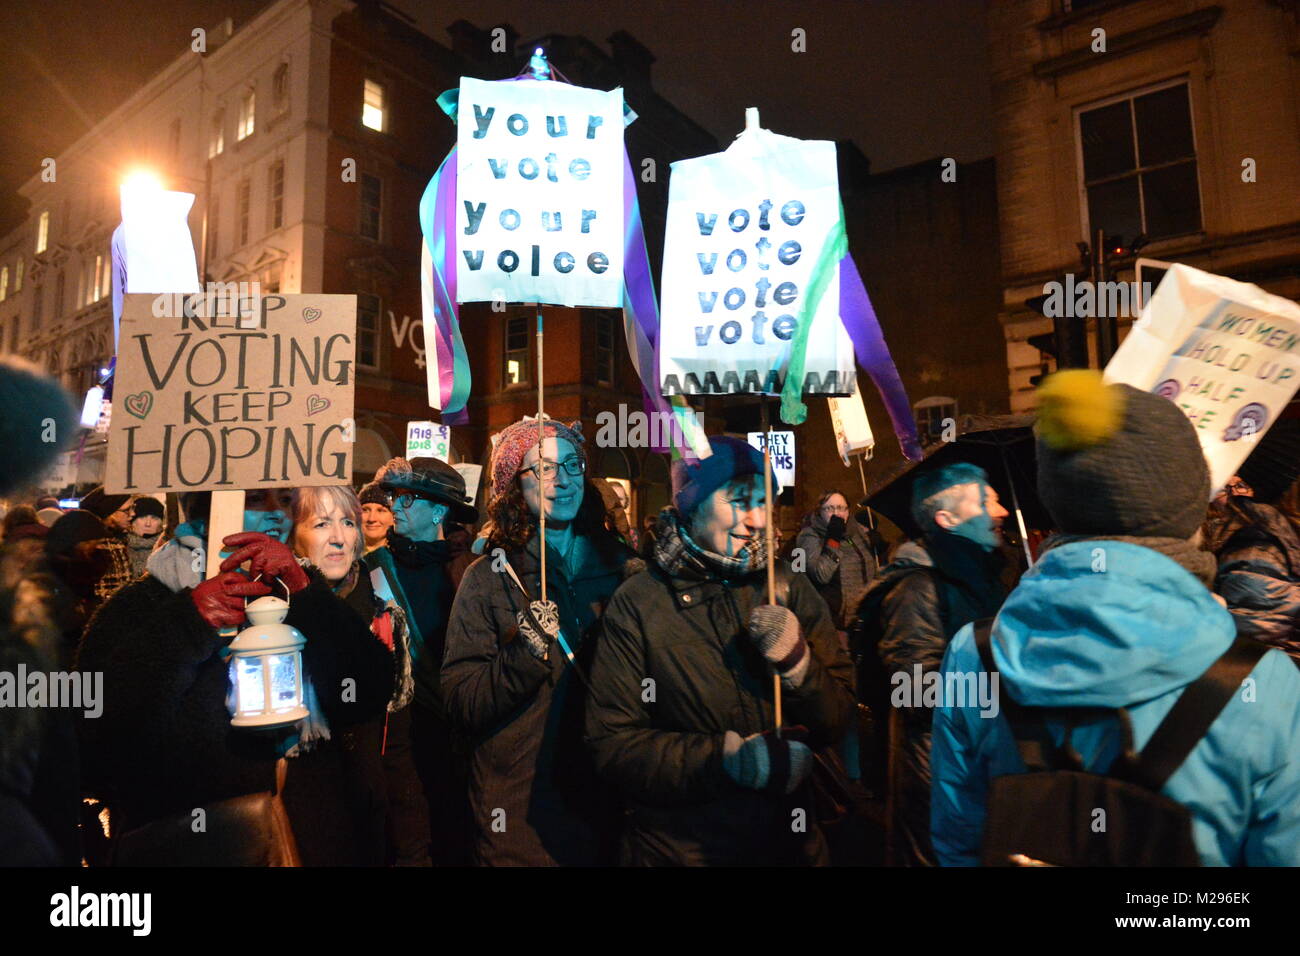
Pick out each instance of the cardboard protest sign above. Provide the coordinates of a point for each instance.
(782, 455)
(1226, 352)
(746, 237)
(472, 475)
(224, 393)
(428, 440)
(539, 212)
(852, 430)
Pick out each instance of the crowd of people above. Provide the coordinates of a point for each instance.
(636, 696)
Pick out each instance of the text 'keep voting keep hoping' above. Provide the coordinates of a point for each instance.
(216, 392)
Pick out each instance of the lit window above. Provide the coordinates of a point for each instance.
(372, 106)
(42, 232)
(217, 137)
(368, 330)
(244, 202)
(106, 280)
(247, 111)
(99, 271)
(214, 220)
(280, 89)
(18, 275)
(275, 207)
(371, 197)
(4, 283)
(516, 351)
(270, 278)
(1138, 157)
(936, 415)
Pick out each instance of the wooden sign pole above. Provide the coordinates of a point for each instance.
(769, 536)
(225, 517)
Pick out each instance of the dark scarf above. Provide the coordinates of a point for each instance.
(1185, 551)
(972, 583)
(417, 554)
(675, 551)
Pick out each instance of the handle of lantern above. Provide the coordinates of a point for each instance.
(288, 595)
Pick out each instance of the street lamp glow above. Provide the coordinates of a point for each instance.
(142, 181)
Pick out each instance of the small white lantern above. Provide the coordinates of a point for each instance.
(266, 669)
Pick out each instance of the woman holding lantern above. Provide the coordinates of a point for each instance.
(514, 671)
(164, 754)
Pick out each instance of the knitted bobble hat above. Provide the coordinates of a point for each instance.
(1115, 460)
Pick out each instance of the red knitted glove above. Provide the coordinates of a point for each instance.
(266, 556)
(220, 600)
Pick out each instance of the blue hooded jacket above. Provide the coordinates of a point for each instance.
(1110, 624)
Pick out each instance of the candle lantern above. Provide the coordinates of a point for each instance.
(266, 667)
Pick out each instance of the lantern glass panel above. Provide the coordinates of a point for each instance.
(284, 681)
(252, 694)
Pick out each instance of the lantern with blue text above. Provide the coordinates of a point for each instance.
(266, 669)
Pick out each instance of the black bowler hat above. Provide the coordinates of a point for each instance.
(429, 478)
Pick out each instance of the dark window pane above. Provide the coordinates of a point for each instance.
(1107, 136)
(1164, 125)
(1172, 203)
(368, 329)
(1114, 207)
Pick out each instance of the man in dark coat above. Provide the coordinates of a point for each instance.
(682, 714)
(932, 589)
(415, 564)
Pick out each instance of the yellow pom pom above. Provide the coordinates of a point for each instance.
(1077, 409)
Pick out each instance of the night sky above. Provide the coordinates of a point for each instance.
(907, 80)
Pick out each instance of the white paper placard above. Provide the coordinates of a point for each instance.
(428, 440)
(539, 205)
(744, 231)
(1226, 352)
(852, 430)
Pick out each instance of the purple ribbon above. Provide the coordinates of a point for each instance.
(859, 318)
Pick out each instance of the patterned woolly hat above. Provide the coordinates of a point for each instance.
(374, 494)
(511, 445)
(1116, 460)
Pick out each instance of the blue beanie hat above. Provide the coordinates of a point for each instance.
(696, 479)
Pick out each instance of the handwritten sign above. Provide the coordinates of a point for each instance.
(782, 455)
(428, 440)
(218, 392)
(539, 207)
(745, 231)
(1226, 352)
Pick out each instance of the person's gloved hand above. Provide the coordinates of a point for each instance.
(220, 600)
(768, 762)
(836, 528)
(775, 632)
(265, 556)
(547, 616)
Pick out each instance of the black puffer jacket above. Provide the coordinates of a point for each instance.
(674, 671)
(1259, 576)
(927, 594)
(164, 744)
(534, 792)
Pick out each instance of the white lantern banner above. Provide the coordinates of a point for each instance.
(428, 440)
(539, 212)
(155, 245)
(745, 229)
(782, 455)
(1226, 352)
(852, 430)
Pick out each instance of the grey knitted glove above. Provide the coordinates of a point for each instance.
(775, 632)
(547, 616)
(767, 762)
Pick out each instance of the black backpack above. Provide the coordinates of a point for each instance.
(1048, 815)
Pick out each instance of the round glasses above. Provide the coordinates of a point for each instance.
(545, 470)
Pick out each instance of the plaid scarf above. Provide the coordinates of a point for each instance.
(675, 550)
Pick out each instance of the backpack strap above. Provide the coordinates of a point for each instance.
(1196, 709)
(1029, 728)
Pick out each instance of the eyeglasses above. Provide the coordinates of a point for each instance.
(407, 498)
(545, 470)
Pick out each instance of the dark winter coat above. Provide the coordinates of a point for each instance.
(840, 572)
(930, 591)
(674, 671)
(1259, 576)
(164, 744)
(535, 797)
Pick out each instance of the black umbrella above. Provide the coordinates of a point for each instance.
(1003, 445)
